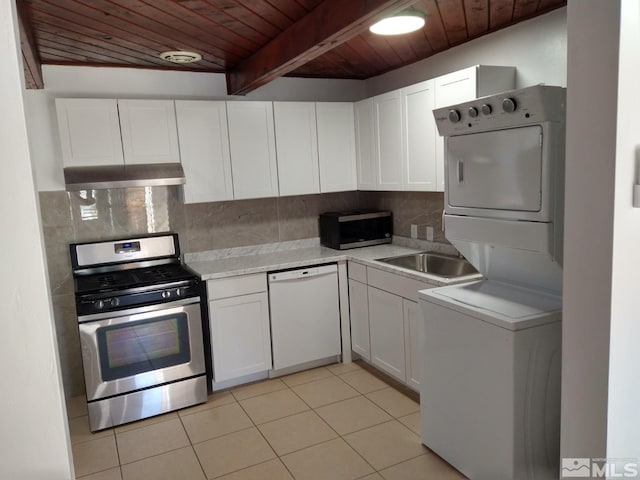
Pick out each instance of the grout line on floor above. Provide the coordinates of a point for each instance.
(100, 471)
(285, 386)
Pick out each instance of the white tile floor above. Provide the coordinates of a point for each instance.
(331, 423)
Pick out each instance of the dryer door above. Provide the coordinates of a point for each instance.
(497, 170)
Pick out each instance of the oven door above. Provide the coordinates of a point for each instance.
(133, 349)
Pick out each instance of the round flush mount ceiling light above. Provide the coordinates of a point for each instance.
(180, 56)
(404, 22)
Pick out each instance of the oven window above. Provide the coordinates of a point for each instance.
(138, 347)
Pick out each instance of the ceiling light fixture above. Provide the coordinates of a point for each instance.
(405, 21)
(180, 56)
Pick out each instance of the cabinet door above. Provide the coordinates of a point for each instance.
(204, 150)
(253, 149)
(149, 131)
(359, 313)
(336, 146)
(388, 134)
(89, 132)
(413, 356)
(296, 147)
(365, 145)
(418, 137)
(456, 87)
(240, 338)
(386, 325)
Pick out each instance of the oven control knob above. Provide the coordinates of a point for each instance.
(454, 116)
(509, 105)
(115, 302)
(473, 112)
(179, 292)
(486, 109)
(166, 294)
(99, 304)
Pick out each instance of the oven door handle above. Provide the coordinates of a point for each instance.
(133, 311)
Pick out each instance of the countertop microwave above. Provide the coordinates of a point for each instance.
(343, 230)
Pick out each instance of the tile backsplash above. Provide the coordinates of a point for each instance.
(70, 217)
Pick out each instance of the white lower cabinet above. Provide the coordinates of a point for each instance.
(386, 326)
(385, 321)
(359, 311)
(412, 321)
(240, 333)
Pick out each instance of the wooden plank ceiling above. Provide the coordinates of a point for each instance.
(253, 41)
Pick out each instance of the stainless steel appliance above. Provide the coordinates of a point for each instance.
(343, 230)
(141, 331)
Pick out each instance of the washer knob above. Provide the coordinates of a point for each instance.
(473, 112)
(486, 109)
(454, 116)
(509, 105)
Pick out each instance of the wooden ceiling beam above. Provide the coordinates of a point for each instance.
(31, 59)
(330, 24)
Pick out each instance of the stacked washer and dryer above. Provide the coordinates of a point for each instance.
(490, 389)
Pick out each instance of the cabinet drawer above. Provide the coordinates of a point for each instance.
(358, 272)
(234, 286)
(396, 284)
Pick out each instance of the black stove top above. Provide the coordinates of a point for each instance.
(127, 273)
(124, 280)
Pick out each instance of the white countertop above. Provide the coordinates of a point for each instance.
(212, 265)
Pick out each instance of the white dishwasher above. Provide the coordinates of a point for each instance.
(305, 315)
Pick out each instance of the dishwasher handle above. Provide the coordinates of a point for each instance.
(302, 273)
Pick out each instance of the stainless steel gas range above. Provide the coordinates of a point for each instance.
(141, 333)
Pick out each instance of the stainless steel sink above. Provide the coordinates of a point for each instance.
(439, 264)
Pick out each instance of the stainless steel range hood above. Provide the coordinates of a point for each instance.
(123, 176)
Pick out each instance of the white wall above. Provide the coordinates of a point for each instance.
(537, 47)
(623, 437)
(34, 441)
(592, 29)
(140, 83)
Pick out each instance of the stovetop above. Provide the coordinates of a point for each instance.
(123, 280)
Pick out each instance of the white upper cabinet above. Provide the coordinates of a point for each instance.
(296, 147)
(149, 132)
(89, 131)
(253, 149)
(463, 86)
(418, 128)
(204, 150)
(365, 145)
(336, 146)
(388, 134)
(456, 87)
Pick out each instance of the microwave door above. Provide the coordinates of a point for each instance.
(498, 170)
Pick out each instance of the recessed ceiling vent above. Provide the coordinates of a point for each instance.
(180, 56)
